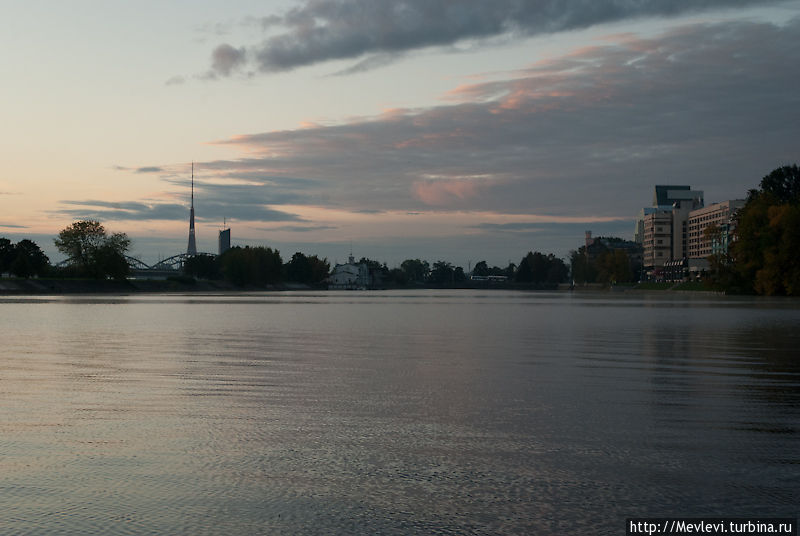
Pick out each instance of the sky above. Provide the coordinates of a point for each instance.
(435, 129)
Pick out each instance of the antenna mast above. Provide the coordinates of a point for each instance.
(191, 248)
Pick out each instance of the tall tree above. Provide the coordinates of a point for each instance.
(7, 254)
(94, 252)
(481, 269)
(416, 270)
(767, 240)
(29, 260)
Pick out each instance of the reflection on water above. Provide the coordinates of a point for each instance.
(453, 412)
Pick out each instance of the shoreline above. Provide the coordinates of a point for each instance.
(180, 284)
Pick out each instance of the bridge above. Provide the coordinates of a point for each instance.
(163, 268)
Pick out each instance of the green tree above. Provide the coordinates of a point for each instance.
(7, 254)
(202, 267)
(614, 266)
(29, 260)
(257, 266)
(442, 273)
(298, 269)
(308, 270)
(320, 269)
(582, 270)
(557, 272)
(397, 277)
(481, 269)
(94, 252)
(541, 270)
(764, 252)
(416, 270)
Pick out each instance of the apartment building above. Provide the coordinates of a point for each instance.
(663, 229)
(657, 239)
(720, 215)
(673, 231)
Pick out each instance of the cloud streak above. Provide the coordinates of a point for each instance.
(379, 30)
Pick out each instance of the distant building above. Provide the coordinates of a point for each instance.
(349, 276)
(722, 215)
(663, 228)
(224, 240)
(673, 231)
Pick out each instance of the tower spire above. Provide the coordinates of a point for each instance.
(191, 249)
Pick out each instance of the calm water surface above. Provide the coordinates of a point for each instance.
(454, 412)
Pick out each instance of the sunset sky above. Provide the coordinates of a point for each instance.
(457, 130)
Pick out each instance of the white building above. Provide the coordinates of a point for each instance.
(350, 276)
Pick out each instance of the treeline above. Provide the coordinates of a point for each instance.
(94, 253)
(263, 266)
(764, 255)
(258, 266)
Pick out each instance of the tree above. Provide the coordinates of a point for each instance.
(442, 273)
(298, 269)
(782, 184)
(416, 270)
(29, 260)
(767, 236)
(540, 270)
(258, 266)
(7, 254)
(481, 269)
(202, 267)
(320, 269)
(614, 266)
(92, 251)
(582, 270)
(308, 270)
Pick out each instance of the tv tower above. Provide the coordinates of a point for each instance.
(192, 248)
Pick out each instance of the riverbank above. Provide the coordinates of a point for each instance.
(183, 284)
(99, 286)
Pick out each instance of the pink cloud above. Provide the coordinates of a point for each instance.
(446, 192)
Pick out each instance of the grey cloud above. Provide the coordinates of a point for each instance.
(104, 210)
(711, 105)
(12, 226)
(175, 80)
(321, 30)
(370, 63)
(207, 210)
(225, 59)
(549, 227)
(149, 169)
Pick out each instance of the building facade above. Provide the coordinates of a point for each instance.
(224, 240)
(350, 276)
(673, 231)
(719, 215)
(663, 229)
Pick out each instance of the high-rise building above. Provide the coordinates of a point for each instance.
(663, 228)
(673, 232)
(224, 240)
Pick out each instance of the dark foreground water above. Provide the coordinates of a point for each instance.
(425, 412)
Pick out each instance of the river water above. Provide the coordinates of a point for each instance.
(402, 412)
